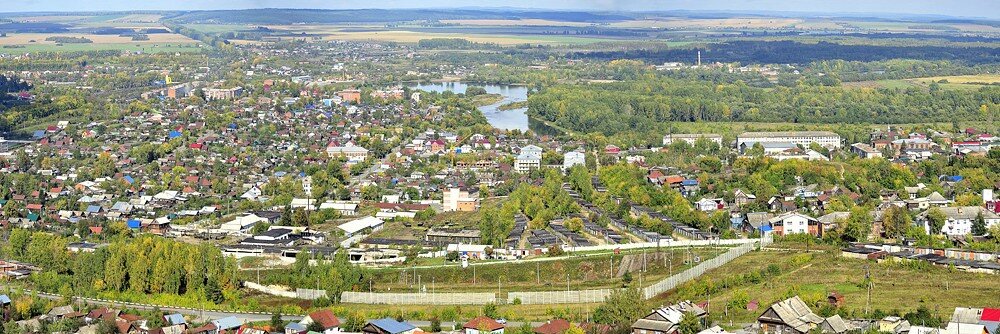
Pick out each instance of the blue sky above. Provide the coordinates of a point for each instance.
(964, 8)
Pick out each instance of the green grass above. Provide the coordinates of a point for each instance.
(896, 287)
(85, 47)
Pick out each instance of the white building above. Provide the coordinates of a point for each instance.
(525, 162)
(692, 138)
(825, 139)
(959, 220)
(360, 225)
(344, 207)
(795, 223)
(574, 158)
(350, 151)
(242, 224)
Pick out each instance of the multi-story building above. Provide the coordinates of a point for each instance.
(692, 138)
(825, 139)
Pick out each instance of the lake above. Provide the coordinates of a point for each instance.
(500, 119)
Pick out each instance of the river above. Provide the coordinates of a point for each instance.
(501, 119)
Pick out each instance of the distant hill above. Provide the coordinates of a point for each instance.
(290, 16)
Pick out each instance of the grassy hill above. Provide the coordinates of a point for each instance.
(813, 274)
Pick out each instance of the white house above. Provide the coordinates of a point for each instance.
(344, 207)
(242, 224)
(574, 158)
(794, 222)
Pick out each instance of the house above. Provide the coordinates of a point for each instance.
(893, 324)
(345, 208)
(325, 318)
(794, 222)
(834, 325)
(667, 320)
(226, 325)
(790, 316)
(710, 204)
(958, 220)
(574, 158)
(865, 151)
(242, 224)
(483, 325)
(388, 326)
(741, 198)
(554, 326)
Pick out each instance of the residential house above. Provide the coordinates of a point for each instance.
(741, 198)
(794, 222)
(325, 318)
(554, 326)
(790, 316)
(483, 325)
(667, 320)
(388, 326)
(574, 158)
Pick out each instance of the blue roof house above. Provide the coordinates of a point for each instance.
(388, 326)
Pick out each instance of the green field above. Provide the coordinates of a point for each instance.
(813, 275)
(85, 47)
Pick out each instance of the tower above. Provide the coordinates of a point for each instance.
(699, 58)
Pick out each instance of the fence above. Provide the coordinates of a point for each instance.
(560, 297)
(690, 274)
(460, 298)
(544, 297)
(663, 243)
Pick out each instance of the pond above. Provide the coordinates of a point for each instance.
(500, 119)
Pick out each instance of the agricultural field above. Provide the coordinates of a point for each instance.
(520, 22)
(957, 82)
(35, 42)
(728, 23)
(815, 273)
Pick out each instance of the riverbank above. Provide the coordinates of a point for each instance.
(513, 105)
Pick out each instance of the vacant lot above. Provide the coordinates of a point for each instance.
(815, 274)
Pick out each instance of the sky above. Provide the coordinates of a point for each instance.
(958, 8)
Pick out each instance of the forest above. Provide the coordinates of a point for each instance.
(143, 265)
(646, 104)
(790, 52)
